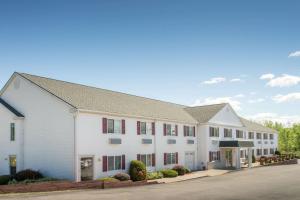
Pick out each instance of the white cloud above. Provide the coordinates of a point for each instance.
(253, 93)
(236, 80)
(267, 76)
(284, 81)
(287, 98)
(287, 120)
(215, 80)
(239, 96)
(211, 100)
(259, 100)
(294, 54)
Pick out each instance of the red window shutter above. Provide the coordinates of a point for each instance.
(176, 157)
(138, 127)
(194, 131)
(210, 157)
(104, 163)
(153, 160)
(184, 131)
(153, 128)
(176, 130)
(138, 157)
(123, 161)
(104, 125)
(123, 126)
(165, 129)
(218, 155)
(165, 159)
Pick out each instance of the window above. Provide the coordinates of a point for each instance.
(169, 130)
(265, 136)
(113, 126)
(12, 132)
(213, 132)
(143, 128)
(271, 137)
(114, 163)
(12, 165)
(265, 151)
(189, 131)
(214, 155)
(227, 132)
(272, 151)
(250, 135)
(146, 159)
(258, 152)
(242, 154)
(170, 158)
(239, 134)
(258, 136)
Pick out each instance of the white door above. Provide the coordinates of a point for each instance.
(190, 160)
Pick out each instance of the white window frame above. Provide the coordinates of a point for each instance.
(171, 158)
(238, 132)
(227, 133)
(114, 168)
(116, 126)
(148, 159)
(252, 135)
(214, 131)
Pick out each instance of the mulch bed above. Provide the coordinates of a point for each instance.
(67, 185)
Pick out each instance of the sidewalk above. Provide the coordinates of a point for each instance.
(193, 175)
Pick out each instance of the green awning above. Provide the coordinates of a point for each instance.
(236, 143)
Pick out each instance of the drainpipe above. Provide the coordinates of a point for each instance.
(75, 165)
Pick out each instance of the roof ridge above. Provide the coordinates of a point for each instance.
(208, 105)
(94, 87)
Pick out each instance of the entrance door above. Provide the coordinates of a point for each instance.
(87, 168)
(190, 160)
(228, 157)
(12, 165)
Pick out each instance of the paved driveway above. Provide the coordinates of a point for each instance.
(278, 182)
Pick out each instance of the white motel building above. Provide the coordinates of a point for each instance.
(77, 132)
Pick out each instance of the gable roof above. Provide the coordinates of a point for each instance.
(101, 100)
(204, 113)
(253, 126)
(10, 108)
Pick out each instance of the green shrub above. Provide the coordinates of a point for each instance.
(137, 171)
(179, 169)
(28, 174)
(187, 170)
(154, 175)
(108, 179)
(4, 179)
(277, 153)
(253, 158)
(169, 173)
(122, 176)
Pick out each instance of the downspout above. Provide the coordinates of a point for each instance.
(75, 164)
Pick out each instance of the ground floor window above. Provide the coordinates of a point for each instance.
(258, 152)
(214, 155)
(170, 158)
(265, 151)
(147, 159)
(271, 151)
(12, 165)
(111, 163)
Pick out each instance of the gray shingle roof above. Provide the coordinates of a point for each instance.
(204, 113)
(253, 126)
(96, 99)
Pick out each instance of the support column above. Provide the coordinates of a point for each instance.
(238, 158)
(249, 157)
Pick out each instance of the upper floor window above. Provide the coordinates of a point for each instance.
(189, 131)
(227, 132)
(113, 126)
(170, 130)
(12, 132)
(258, 136)
(144, 128)
(213, 132)
(271, 136)
(265, 136)
(250, 135)
(239, 134)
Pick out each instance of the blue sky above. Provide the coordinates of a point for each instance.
(163, 49)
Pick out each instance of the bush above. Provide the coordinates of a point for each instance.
(4, 179)
(122, 176)
(253, 158)
(154, 175)
(169, 173)
(179, 169)
(28, 174)
(108, 179)
(277, 153)
(187, 170)
(137, 171)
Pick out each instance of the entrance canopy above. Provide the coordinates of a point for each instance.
(236, 143)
